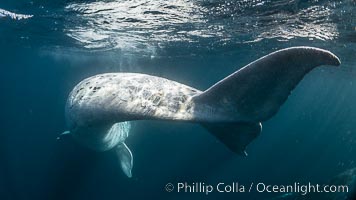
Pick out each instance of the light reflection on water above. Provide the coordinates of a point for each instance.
(132, 24)
(142, 25)
(14, 16)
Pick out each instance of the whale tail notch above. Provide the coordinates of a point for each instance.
(257, 90)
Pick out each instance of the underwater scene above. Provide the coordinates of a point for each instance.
(178, 99)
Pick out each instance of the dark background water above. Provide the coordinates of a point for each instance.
(311, 139)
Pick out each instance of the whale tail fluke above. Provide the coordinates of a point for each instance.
(236, 136)
(257, 90)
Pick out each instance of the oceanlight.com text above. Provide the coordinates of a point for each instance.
(260, 187)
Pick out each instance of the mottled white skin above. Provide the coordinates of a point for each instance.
(98, 102)
(99, 108)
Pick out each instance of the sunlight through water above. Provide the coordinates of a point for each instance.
(145, 26)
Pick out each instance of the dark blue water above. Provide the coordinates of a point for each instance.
(47, 47)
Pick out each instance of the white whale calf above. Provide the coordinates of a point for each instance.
(99, 108)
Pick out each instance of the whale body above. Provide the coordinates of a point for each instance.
(99, 109)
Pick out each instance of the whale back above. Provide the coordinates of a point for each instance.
(116, 97)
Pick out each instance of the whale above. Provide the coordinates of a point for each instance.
(100, 109)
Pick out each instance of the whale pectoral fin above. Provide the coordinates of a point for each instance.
(63, 134)
(125, 157)
(236, 136)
